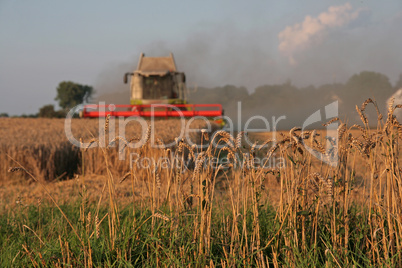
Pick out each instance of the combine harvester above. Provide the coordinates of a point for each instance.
(157, 90)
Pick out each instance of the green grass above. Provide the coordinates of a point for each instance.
(144, 240)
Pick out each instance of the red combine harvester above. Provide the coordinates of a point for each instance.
(157, 90)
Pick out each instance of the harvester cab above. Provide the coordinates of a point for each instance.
(157, 90)
(157, 80)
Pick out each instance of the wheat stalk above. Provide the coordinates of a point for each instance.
(92, 141)
(17, 169)
(125, 177)
(161, 216)
(341, 130)
(147, 137)
(205, 134)
(107, 123)
(198, 164)
(238, 139)
(97, 226)
(331, 121)
(363, 118)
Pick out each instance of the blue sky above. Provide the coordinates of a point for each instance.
(245, 43)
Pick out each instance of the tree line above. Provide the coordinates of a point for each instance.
(297, 103)
(267, 100)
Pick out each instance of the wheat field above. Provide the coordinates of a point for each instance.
(42, 147)
(324, 201)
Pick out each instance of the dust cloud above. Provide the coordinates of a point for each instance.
(292, 71)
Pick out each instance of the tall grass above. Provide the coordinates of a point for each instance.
(344, 211)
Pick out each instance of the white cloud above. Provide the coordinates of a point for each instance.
(311, 31)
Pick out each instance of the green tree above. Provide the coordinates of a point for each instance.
(29, 116)
(48, 111)
(70, 94)
(369, 85)
(362, 86)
